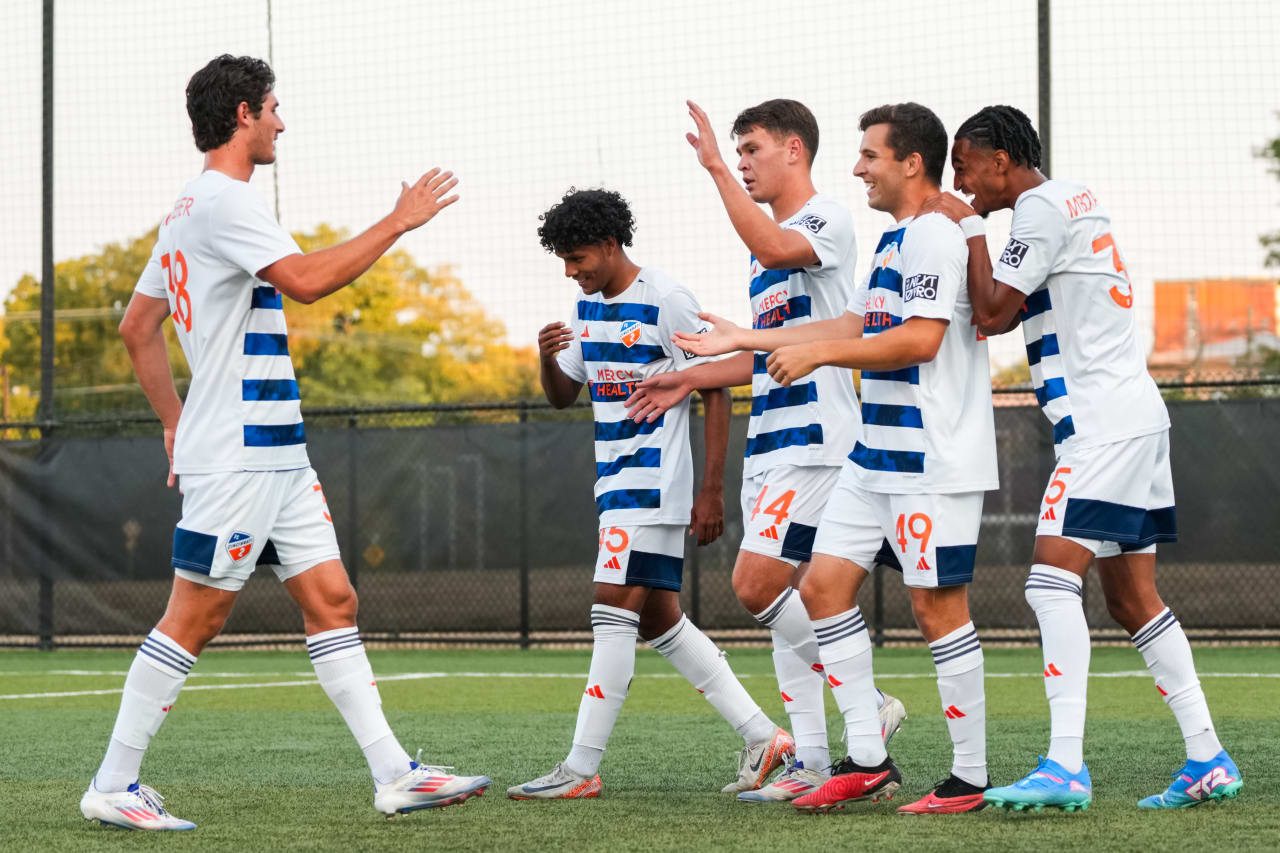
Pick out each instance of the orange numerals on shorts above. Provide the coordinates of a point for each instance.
(779, 509)
(614, 539)
(919, 525)
(1106, 241)
(1061, 486)
(323, 500)
(176, 266)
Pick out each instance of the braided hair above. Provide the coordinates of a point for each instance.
(1003, 128)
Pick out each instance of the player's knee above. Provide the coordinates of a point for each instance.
(655, 624)
(757, 587)
(1132, 612)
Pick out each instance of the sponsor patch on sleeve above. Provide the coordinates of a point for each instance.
(813, 222)
(920, 286)
(1013, 253)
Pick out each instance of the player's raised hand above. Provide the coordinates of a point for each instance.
(704, 141)
(951, 206)
(655, 395)
(788, 364)
(722, 337)
(553, 338)
(424, 199)
(706, 521)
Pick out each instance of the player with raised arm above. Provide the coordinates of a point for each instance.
(237, 444)
(1110, 497)
(802, 259)
(910, 494)
(620, 333)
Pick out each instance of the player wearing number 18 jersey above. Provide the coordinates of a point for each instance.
(250, 497)
(1111, 494)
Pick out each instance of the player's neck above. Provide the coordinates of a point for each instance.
(912, 198)
(792, 198)
(230, 160)
(627, 273)
(1022, 180)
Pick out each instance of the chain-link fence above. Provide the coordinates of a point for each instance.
(464, 524)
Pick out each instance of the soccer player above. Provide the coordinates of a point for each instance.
(621, 332)
(237, 444)
(910, 493)
(1110, 496)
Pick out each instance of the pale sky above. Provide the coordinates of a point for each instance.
(1158, 108)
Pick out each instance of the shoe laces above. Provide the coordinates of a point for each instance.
(431, 768)
(153, 798)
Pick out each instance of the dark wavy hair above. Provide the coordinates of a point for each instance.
(912, 129)
(1003, 128)
(586, 218)
(216, 91)
(781, 117)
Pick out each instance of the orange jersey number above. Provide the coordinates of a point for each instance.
(1106, 241)
(176, 266)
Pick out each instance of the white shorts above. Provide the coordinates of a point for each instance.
(931, 539)
(781, 509)
(234, 522)
(1114, 498)
(649, 555)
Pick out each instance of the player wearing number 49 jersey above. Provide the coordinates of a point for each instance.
(1111, 493)
(249, 496)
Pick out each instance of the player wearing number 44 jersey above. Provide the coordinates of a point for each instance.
(910, 494)
(250, 497)
(1111, 494)
(619, 333)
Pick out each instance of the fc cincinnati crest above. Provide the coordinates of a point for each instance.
(239, 546)
(630, 332)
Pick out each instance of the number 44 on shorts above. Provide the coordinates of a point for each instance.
(780, 508)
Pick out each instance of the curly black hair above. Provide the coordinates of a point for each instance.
(1003, 128)
(216, 91)
(586, 218)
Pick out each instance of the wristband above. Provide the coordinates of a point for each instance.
(972, 226)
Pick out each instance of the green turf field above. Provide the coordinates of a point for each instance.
(269, 765)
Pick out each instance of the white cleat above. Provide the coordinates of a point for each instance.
(796, 781)
(426, 787)
(139, 807)
(560, 784)
(757, 761)
(892, 713)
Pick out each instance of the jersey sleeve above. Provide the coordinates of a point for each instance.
(679, 313)
(570, 358)
(829, 229)
(858, 300)
(246, 234)
(934, 268)
(1036, 237)
(152, 281)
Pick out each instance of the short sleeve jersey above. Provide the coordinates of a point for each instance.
(929, 428)
(1087, 364)
(644, 471)
(242, 410)
(815, 421)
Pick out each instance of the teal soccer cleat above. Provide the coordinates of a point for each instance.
(1198, 782)
(1048, 785)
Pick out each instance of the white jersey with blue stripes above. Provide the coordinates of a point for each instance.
(644, 472)
(242, 410)
(929, 428)
(813, 421)
(1087, 364)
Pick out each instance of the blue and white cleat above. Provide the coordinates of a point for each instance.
(426, 787)
(1198, 782)
(139, 807)
(1048, 785)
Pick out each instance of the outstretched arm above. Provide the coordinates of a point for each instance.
(914, 342)
(655, 395)
(725, 336)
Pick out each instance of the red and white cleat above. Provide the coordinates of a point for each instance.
(426, 787)
(949, 796)
(851, 782)
(139, 807)
(758, 760)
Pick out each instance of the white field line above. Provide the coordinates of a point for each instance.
(419, 676)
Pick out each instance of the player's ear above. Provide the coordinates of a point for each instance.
(244, 115)
(914, 164)
(1000, 161)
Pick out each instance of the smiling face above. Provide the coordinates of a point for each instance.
(591, 266)
(981, 174)
(883, 174)
(263, 130)
(763, 160)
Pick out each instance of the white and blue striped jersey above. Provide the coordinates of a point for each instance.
(814, 421)
(242, 411)
(929, 428)
(644, 471)
(1087, 364)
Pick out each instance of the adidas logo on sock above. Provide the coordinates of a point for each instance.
(595, 691)
(785, 697)
(1051, 670)
(833, 681)
(954, 713)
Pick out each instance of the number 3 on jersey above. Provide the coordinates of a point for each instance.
(176, 266)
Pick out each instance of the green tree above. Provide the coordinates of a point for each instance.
(1271, 242)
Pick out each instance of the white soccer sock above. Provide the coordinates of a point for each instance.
(1054, 594)
(343, 670)
(695, 657)
(156, 675)
(846, 656)
(613, 663)
(795, 662)
(958, 659)
(1164, 647)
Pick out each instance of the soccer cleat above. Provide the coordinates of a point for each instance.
(1198, 782)
(757, 761)
(1048, 785)
(426, 787)
(560, 784)
(851, 782)
(949, 796)
(892, 713)
(139, 807)
(795, 781)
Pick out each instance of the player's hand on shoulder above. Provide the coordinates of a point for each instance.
(704, 141)
(787, 364)
(553, 338)
(655, 395)
(424, 199)
(720, 337)
(951, 206)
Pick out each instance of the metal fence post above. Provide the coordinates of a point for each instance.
(47, 279)
(524, 525)
(353, 500)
